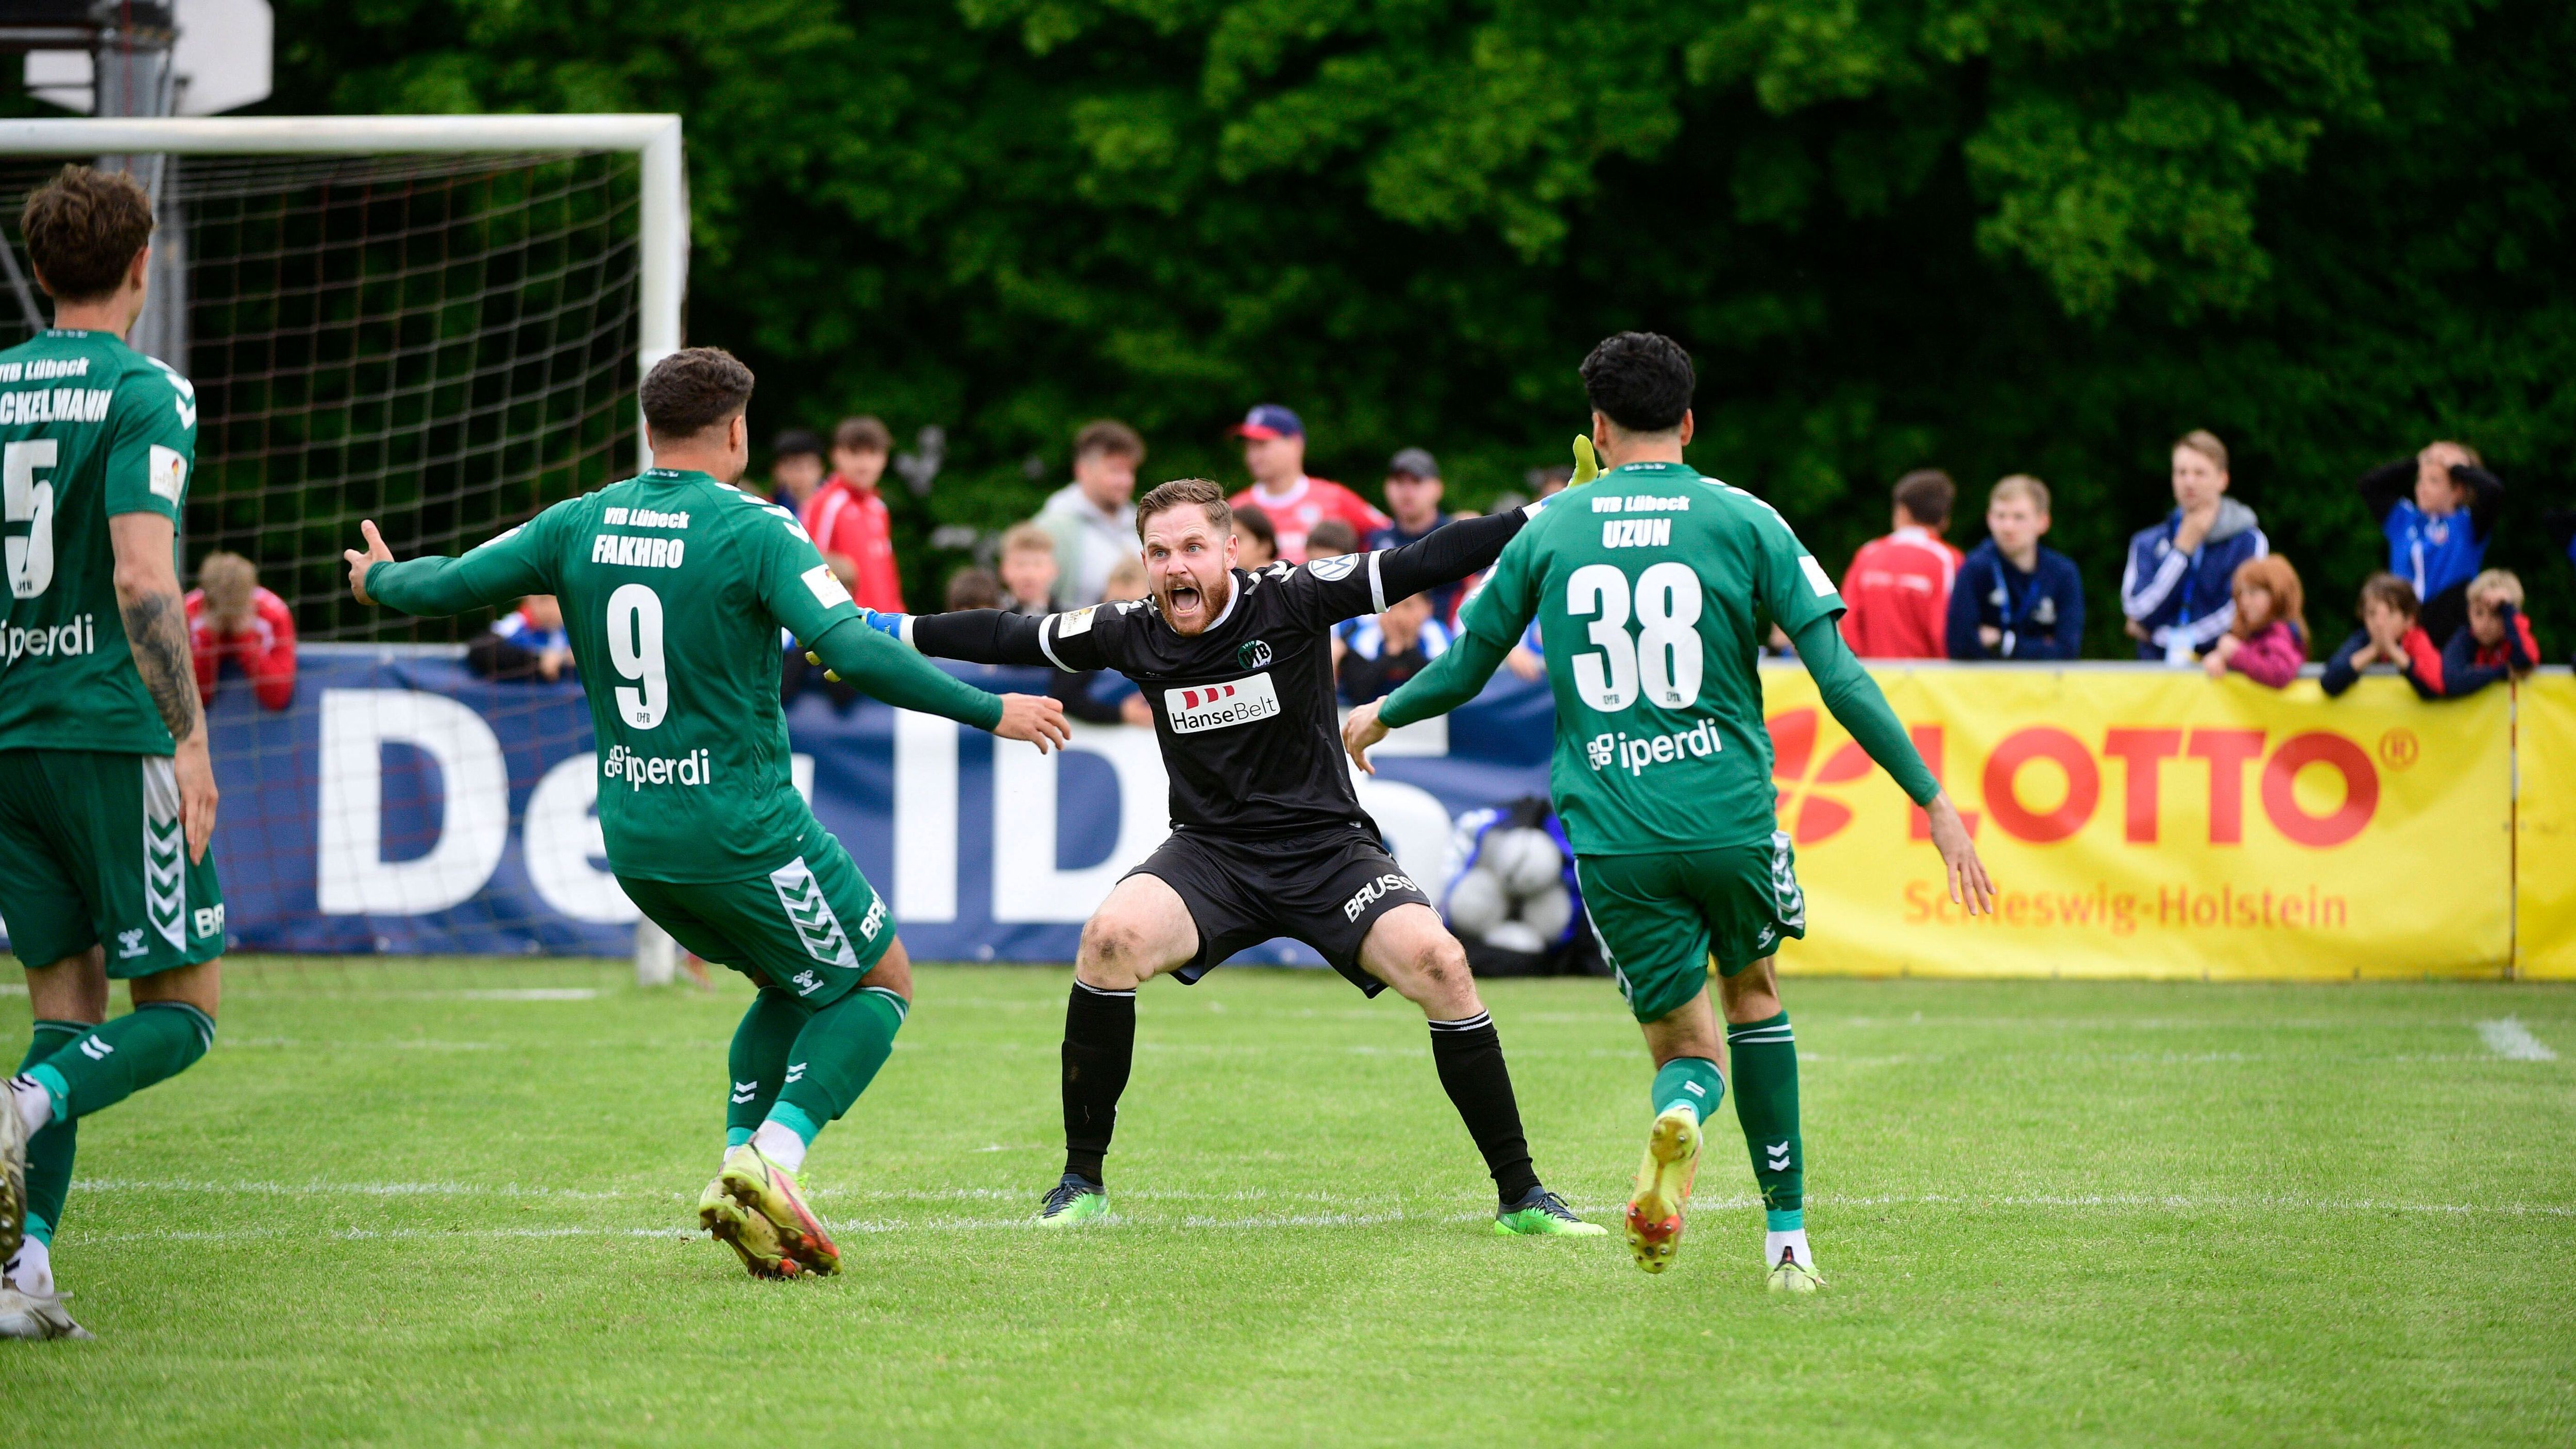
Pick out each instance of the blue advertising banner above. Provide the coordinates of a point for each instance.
(402, 805)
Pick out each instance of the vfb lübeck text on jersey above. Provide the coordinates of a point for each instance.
(1638, 532)
(54, 405)
(639, 771)
(628, 551)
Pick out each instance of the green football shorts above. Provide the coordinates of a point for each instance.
(813, 926)
(91, 853)
(1663, 920)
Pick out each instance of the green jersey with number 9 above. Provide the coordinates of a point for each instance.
(1654, 588)
(89, 429)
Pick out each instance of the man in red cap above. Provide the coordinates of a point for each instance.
(1274, 452)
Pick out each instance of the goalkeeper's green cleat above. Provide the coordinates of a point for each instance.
(768, 1190)
(1791, 1276)
(1073, 1200)
(1663, 1188)
(746, 1232)
(1542, 1214)
(1586, 466)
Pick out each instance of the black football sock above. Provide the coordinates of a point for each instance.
(1099, 1047)
(1469, 1055)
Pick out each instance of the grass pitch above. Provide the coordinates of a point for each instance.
(450, 1202)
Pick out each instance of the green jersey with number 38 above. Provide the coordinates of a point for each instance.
(674, 587)
(89, 429)
(1654, 588)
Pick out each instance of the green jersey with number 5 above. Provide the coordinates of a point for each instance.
(89, 429)
(674, 587)
(1654, 588)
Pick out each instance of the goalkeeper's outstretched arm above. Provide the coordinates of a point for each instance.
(886, 670)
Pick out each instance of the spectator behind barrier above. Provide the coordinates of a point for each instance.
(2015, 599)
(2437, 510)
(1258, 546)
(848, 520)
(795, 468)
(231, 617)
(1330, 538)
(1896, 594)
(973, 587)
(1029, 569)
(1274, 453)
(529, 642)
(2496, 643)
(2178, 588)
(1093, 518)
(1413, 491)
(2269, 640)
(2390, 634)
(1374, 653)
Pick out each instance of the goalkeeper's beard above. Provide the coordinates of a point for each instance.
(1189, 603)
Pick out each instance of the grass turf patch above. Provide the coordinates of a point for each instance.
(439, 1202)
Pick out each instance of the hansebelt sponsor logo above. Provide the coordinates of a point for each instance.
(639, 771)
(1215, 706)
(1374, 891)
(1637, 753)
(78, 637)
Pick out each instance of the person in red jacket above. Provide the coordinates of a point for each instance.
(2269, 640)
(1896, 595)
(848, 520)
(1274, 453)
(231, 617)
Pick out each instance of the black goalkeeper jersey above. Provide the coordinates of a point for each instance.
(1244, 710)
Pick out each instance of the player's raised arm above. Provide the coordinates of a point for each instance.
(510, 566)
(1495, 620)
(1345, 587)
(990, 636)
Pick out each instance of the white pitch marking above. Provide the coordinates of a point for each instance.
(2513, 1041)
(533, 993)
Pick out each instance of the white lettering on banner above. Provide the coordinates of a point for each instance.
(561, 841)
(1028, 884)
(925, 816)
(1215, 706)
(353, 876)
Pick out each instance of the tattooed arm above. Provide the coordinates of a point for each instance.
(156, 627)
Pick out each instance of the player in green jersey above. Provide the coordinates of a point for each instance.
(107, 793)
(674, 587)
(1654, 588)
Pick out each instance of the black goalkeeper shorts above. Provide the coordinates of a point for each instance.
(1325, 889)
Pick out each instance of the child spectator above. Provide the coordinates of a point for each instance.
(795, 468)
(2496, 643)
(1109, 696)
(848, 520)
(1028, 569)
(2178, 588)
(231, 617)
(2389, 634)
(2013, 598)
(2269, 640)
(1375, 653)
(1331, 538)
(1259, 545)
(529, 642)
(973, 587)
(1093, 518)
(1896, 594)
(2437, 509)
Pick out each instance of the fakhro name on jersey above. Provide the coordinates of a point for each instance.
(1217, 706)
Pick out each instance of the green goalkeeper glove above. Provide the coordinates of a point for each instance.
(1586, 466)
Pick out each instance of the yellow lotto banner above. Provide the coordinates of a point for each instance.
(2545, 828)
(2154, 822)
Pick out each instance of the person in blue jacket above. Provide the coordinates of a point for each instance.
(2014, 599)
(2179, 587)
(2437, 509)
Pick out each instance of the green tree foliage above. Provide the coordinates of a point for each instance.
(1989, 235)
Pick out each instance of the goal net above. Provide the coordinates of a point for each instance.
(438, 324)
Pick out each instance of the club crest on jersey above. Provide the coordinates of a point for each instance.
(1334, 569)
(1216, 706)
(1255, 655)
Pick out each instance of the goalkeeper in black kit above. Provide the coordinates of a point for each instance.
(1268, 836)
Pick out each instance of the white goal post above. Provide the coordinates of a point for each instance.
(663, 244)
(664, 270)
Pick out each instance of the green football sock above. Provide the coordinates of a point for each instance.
(104, 1065)
(1766, 1105)
(49, 1152)
(1695, 1080)
(836, 1056)
(759, 1060)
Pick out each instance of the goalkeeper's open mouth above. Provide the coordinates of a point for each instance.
(1190, 604)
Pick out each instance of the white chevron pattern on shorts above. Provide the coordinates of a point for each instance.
(801, 896)
(165, 854)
